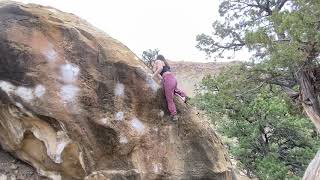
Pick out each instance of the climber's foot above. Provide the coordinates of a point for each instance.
(186, 99)
(174, 118)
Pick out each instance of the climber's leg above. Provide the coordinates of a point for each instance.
(169, 83)
(180, 92)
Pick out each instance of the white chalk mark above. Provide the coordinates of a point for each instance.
(161, 114)
(19, 105)
(137, 125)
(69, 92)
(69, 73)
(7, 87)
(104, 120)
(119, 89)
(119, 116)
(25, 93)
(50, 53)
(157, 167)
(39, 91)
(123, 139)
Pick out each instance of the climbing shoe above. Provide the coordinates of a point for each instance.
(186, 99)
(174, 118)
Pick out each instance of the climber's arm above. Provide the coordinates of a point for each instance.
(158, 67)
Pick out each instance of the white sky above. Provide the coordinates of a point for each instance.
(169, 25)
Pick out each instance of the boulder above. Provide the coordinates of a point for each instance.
(77, 104)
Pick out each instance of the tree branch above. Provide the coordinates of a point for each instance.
(251, 90)
(281, 4)
(258, 5)
(229, 46)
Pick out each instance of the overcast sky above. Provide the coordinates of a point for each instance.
(169, 25)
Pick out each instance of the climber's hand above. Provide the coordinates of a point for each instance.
(150, 77)
(157, 78)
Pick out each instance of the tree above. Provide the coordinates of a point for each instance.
(149, 56)
(274, 140)
(283, 36)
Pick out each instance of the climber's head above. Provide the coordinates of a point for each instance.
(161, 58)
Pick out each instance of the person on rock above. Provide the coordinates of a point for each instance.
(161, 69)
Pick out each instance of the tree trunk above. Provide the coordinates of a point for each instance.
(309, 98)
(313, 171)
(310, 105)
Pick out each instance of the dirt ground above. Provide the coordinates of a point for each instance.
(13, 169)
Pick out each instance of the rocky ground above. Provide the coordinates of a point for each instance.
(13, 169)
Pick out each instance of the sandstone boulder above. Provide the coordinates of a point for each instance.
(77, 104)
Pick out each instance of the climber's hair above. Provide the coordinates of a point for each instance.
(161, 57)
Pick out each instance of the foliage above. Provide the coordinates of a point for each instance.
(148, 56)
(283, 37)
(274, 139)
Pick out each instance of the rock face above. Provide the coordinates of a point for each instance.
(11, 168)
(77, 104)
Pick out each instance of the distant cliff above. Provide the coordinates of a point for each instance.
(190, 74)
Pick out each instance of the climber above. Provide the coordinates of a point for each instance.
(161, 69)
